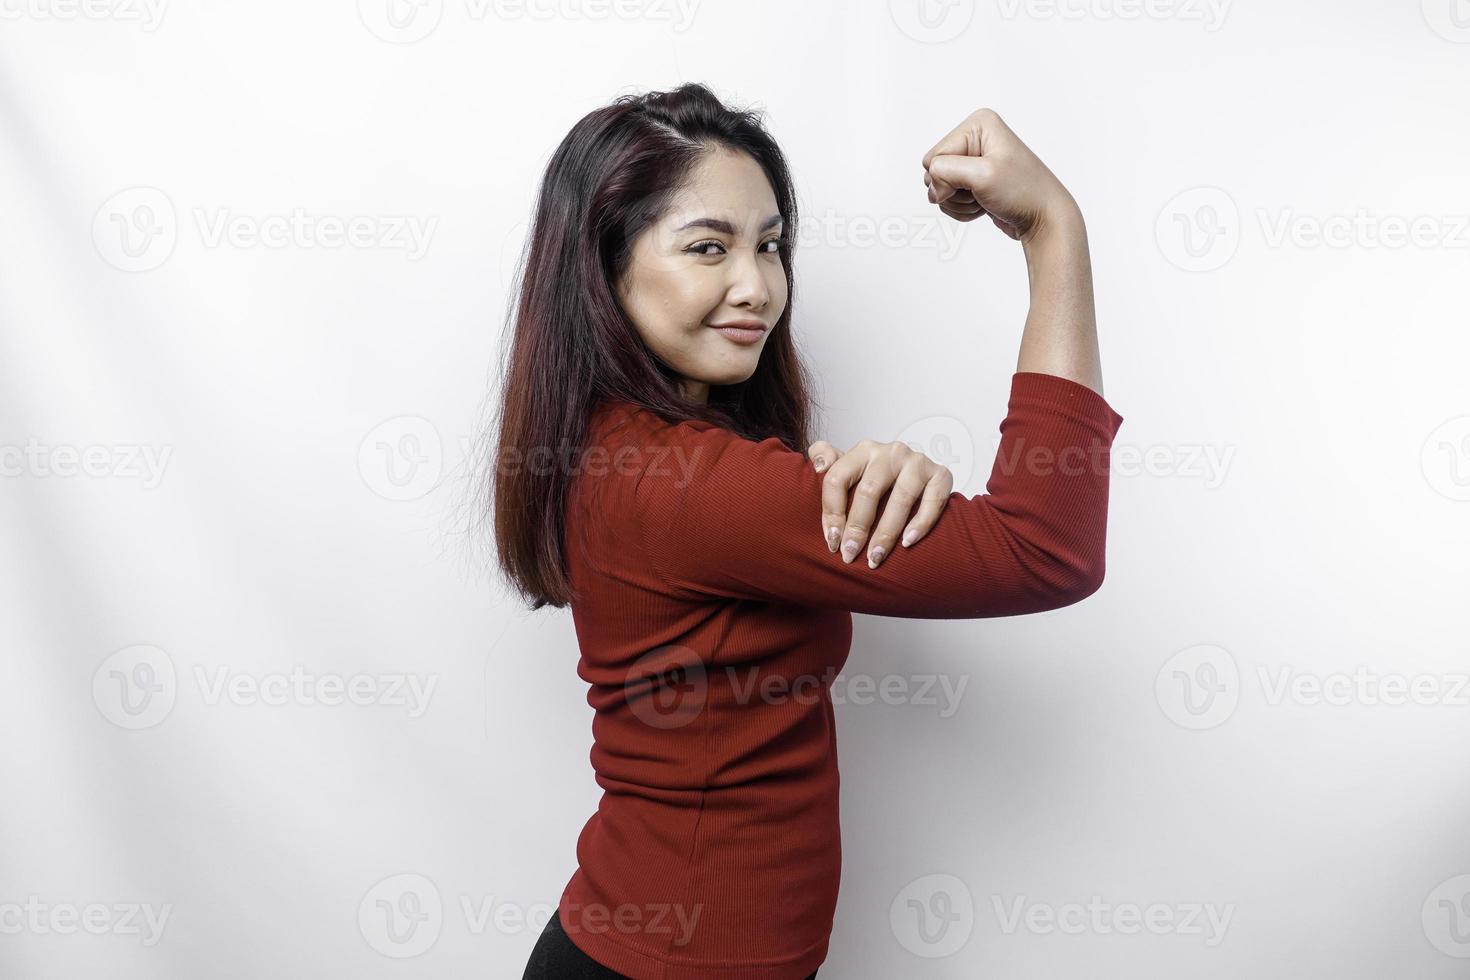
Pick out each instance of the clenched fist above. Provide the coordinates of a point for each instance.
(982, 167)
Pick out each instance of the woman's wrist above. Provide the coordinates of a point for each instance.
(1061, 325)
(1059, 224)
(1056, 249)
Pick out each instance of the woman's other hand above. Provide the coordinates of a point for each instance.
(915, 484)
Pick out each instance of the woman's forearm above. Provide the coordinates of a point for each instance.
(1060, 336)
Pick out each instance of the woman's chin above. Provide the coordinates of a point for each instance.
(725, 378)
(730, 369)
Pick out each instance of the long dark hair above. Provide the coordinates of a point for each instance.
(571, 344)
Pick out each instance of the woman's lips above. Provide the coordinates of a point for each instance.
(742, 335)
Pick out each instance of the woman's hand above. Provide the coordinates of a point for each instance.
(982, 167)
(908, 476)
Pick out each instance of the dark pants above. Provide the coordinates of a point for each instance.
(556, 957)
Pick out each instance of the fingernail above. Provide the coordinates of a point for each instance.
(821, 463)
(849, 550)
(832, 536)
(875, 555)
(908, 537)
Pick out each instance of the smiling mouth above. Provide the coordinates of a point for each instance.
(741, 334)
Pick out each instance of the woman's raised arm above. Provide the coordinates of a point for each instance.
(981, 167)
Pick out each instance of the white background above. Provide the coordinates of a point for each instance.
(1275, 196)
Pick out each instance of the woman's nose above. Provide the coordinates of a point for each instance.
(748, 284)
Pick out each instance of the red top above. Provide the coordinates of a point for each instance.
(712, 619)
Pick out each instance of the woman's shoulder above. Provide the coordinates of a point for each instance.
(617, 420)
(657, 459)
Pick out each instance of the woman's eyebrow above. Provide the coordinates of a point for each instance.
(724, 227)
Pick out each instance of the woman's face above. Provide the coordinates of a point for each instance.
(711, 260)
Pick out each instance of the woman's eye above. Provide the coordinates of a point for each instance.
(701, 248)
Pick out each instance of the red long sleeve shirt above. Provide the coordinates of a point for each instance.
(712, 619)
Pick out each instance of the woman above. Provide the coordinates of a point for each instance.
(653, 359)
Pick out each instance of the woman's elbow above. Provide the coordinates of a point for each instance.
(1072, 573)
(1084, 576)
(1060, 569)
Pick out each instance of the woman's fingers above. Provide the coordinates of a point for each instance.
(917, 491)
(960, 205)
(931, 504)
(836, 484)
(862, 510)
(951, 173)
(963, 214)
(850, 493)
(823, 454)
(968, 139)
(960, 196)
(834, 503)
(984, 156)
(908, 488)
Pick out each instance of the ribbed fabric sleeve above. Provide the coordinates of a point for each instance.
(712, 621)
(739, 521)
